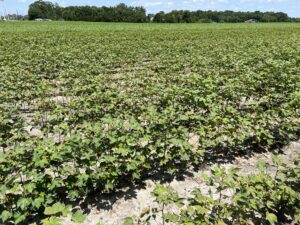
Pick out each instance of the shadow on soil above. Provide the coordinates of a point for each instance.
(127, 189)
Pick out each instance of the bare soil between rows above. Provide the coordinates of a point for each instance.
(135, 200)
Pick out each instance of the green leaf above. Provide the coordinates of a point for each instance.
(128, 221)
(51, 221)
(54, 209)
(170, 217)
(38, 202)
(208, 181)
(272, 218)
(29, 187)
(297, 217)
(78, 217)
(109, 186)
(66, 211)
(2, 157)
(270, 204)
(5, 215)
(221, 222)
(201, 210)
(19, 218)
(23, 203)
(234, 171)
(200, 152)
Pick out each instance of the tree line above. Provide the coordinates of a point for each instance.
(185, 16)
(120, 13)
(123, 13)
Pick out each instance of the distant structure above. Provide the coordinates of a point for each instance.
(3, 11)
(40, 19)
(251, 21)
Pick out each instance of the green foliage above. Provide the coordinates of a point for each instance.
(272, 218)
(123, 13)
(44, 10)
(78, 217)
(128, 221)
(119, 13)
(54, 209)
(135, 100)
(5, 215)
(165, 195)
(261, 198)
(51, 221)
(199, 16)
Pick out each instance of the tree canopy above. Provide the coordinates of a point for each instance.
(123, 13)
(44, 10)
(119, 13)
(185, 16)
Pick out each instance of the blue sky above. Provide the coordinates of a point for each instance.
(292, 7)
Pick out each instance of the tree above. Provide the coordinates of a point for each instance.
(185, 16)
(160, 17)
(44, 9)
(123, 13)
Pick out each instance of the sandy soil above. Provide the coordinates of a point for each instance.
(133, 200)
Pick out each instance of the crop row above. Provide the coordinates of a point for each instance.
(81, 111)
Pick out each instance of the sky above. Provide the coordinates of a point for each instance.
(291, 7)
